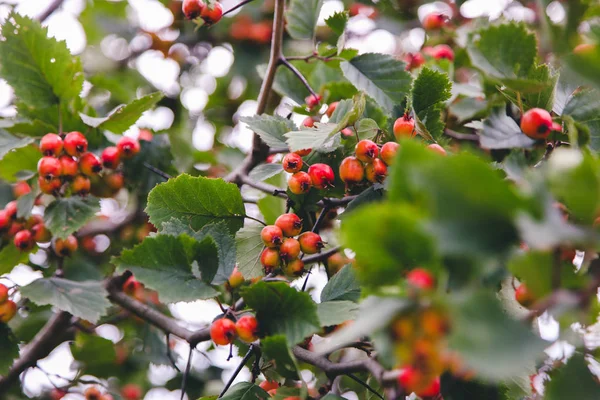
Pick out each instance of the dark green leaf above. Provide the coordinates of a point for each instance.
(270, 128)
(66, 215)
(336, 312)
(9, 142)
(276, 350)
(249, 245)
(245, 391)
(430, 90)
(573, 381)
(337, 22)
(544, 98)
(584, 107)
(10, 257)
(18, 161)
(226, 249)
(9, 350)
(502, 132)
(95, 353)
(301, 17)
(342, 286)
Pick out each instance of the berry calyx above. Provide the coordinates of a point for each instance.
(421, 279)
(331, 108)
(81, 185)
(192, 8)
(269, 385)
(75, 144)
(437, 149)
(247, 328)
(524, 296)
(3, 293)
(300, 183)
(294, 268)
(310, 243)
(131, 392)
(51, 144)
(404, 127)
(65, 247)
(21, 189)
(49, 186)
(90, 164)
(69, 166)
(536, 123)
(8, 309)
(388, 152)
(312, 101)
(222, 331)
(269, 258)
(351, 170)
(272, 236)
(321, 175)
(289, 249)
(290, 224)
(376, 171)
(434, 21)
(366, 150)
(212, 15)
(49, 168)
(128, 147)
(24, 240)
(292, 162)
(110, 157)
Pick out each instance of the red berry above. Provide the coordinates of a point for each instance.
(524, 296)
(413, 61)
(145, 134)
(303, 152)
(33, 220)
(289, 249)
(269, 385)
(331, 108)
(65, 247)
(4, 220)
(388, 152)
(404, 127)
(11, 209)
(294, 267)
(442, 51)
(51, 144)
(272, 236)
(437, 149)
(557, 127)
(57, 394)
(131, 392)
(8, 309)
(21, 189)
(222, 331)
(290, 224)
(376, 171)
(3, 293)
(41, 234)
(421, 279)
(351, 170)
(14, 228)
(92, 393)
(90, 164)
(362, 9)
(128, 147)
(434, 21)
(69, 166)
(310, 243)
(235, 279)
(75, 144)
(24, 240)
(132, 286)
(312, 101)
(346, 133)
(49, 187)
(308, 122)
(432, 390)
(81, 185)
(247, 328)
(321, 175)
(115, 181)
(111, 156)
(300, 183)
(269, 258)
(366, 150)
(192, 8)
(536, 123)
(212, 16)
(292, 162)
(49, 168)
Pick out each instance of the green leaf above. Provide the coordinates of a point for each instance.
(337, 22)
(40, 69)
(336, 312)
(9, 142)
(249, 245)
(584, 107)
(245, 391)
(270, 128)
(482, 331)
(302, 17)
(277, 350)
(66, 215)
(124, 116)
(573, 381)
(265, 171)
(282, 310)
(502, 132)
(197, 201)
(96, 354)
(544, 98)
(430, 91)
(380, 76)
(25, 204)
(9, 350)
(225, 249)
(164, 263)
(343, 108)
(271, 207)
(86, 300)
(370, 195)
(10, 257)
(20, 161)
(342, 286)
(367, 129)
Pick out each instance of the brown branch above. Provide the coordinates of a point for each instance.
(298, 75)
(55, 5)
(315, 258)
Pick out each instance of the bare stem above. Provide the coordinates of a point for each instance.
(298, 74)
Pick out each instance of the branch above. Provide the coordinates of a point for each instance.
(315, 258)
(241, 4)
(55, 5)
(237, 370)
(298, 74)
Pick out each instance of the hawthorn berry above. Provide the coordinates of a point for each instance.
(434, 21)
(312, 100)
(247, 328)
(346, 133)
(351, 170)
(41, 234)
(362, 9)
(524, 296)
(4, 220)
(49, 187)
(222, 331)
(33, 220)
(212, 15)
(376, 171)
(536, 123)
(192, 8)
(269, 258)
(24, 240)
(413, 61)
(272, 236)
(404, 127)
(292, 162)
(69, 166)
(331, 108)
(8, 309)
(3, 293)
(442, 51)
(300, 183)
(290, 224)
(21, 189)
(437, 149)
(15, 228)
(51, 144)
(421, 279)
(366, 150)
(236, 279)
(128, 147)
(294, 267)
(433, 323)
(289, 249)
(388, 152)
(132, 286)
(269, 385)
(310, 243)
(75, 144)
(336, 261)
(115, 181)
(92, 393)
(111, 156)
(303, 152)
(145, 134)
(321, 175)
(65, 247)
(308, 122)
(49, 167)
(90, 164)
(131, 392)
(432, 390)
(81, 185)
(57, 394)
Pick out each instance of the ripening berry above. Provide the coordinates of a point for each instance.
(145, 134)
(269, 258)
(310, 243)
(65, 247)
(351, 170)
(434, 21)
(362, 9)
(346, 133)
(75, 144)
(294, 267)
(131, 392)
(413, 380)
(442, 51)
(212, 15)
(8, 309)
(337, 261)
(32, 220)
(269, 385)
(331, 108)
(81, 185)
(312, 101)
(3, 293)
(110, 157)
(41, 234)
(11, 209)
(272, 236)
(292, 162)
(49, 168)
(290, 224)
(236, 279)
(376, 171)
(308, 122)
(192, 8)
(536, 123)
(24, 240)
(115, 181)
(247, 328)
(388, 152)
(49, 187)
(436, 148)
(366, 150)
(15, 227)
(300, 183)
(21, 189)
(57, 394)
(321, 175)
(92, 393)
(90, 164)
(51, 144)
(128, 147)
(4, 220)
(421, 279)
(413, 61)
(524, 296)
(222, 331)
(584, 49)
(303, 152)
(132, 286)
(404, 127)
(69, 166)
(289, 249)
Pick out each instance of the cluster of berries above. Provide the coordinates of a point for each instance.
(243, 28)
(23, 232)
(8, 308)
(224, 331)
(67, 161)
(128, 392)
(210, 14)
(282, 250)
(368, 161)
(319, 175)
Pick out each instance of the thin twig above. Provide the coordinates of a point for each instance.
(241, 4)
(237, 370)
(365, 384)
(298, 74)
(170, 354)
(50, 10)
(187, 372)
(255, 219)
(157, 171)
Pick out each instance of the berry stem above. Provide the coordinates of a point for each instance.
(157, 171)
(240, 4)
(365, 384)
(237, 370)
(288, 65)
